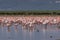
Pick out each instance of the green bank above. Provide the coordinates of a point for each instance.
(31, 12)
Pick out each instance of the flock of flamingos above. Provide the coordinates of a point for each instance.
(27, 22)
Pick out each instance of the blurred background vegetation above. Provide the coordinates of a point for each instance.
(31, 12)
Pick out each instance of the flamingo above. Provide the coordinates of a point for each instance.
(0, 22)
(8, 24)
(31, 25)
(45, 22)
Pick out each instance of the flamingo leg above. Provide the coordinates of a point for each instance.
(45, 26)
(8, 28)
(16, 29)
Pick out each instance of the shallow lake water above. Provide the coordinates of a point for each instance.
(51, 33)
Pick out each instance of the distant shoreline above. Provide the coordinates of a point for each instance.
(27, 15)
(31, 12)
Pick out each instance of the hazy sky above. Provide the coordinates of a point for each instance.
(29, 4)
